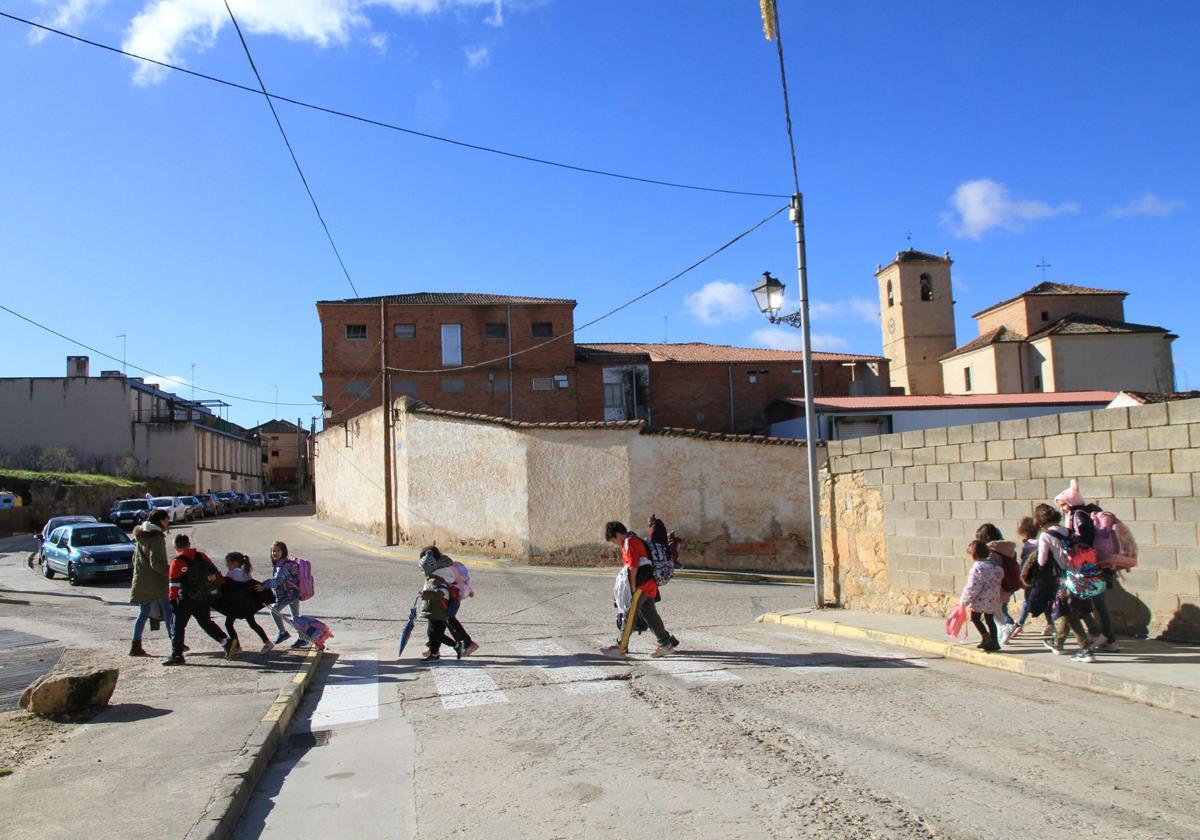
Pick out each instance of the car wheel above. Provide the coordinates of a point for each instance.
(46, 570)
(72, 576)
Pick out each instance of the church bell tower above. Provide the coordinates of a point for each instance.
(916, 308)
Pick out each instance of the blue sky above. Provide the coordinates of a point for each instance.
(166, 208)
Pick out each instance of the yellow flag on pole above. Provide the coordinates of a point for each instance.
(768, 15)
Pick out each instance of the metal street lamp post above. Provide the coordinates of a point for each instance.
(769, 296)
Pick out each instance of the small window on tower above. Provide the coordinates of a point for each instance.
(1037, 383)
(1045, 316)
(891, 299)
(926, 287)
(967, 378)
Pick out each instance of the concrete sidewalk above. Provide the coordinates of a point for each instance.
(176, 753)
(1159, 674)
(373, 546)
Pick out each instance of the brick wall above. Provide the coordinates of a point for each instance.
(483, 388)
(900, 509)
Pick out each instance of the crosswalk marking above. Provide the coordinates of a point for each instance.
(461, 685)
(350, 694)
(573, 679)
(691, 669)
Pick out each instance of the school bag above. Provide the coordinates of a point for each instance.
(305, 576)
(314, 630)
(1083, 576)
(660, 559)
(1114, 543)
(202, 581)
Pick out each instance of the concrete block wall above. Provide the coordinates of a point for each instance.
(937, 485)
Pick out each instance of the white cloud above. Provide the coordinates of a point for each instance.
(478, 57)
(1148, 205)
(789, 338)
(720, 302)
(164, 29)
(857, 308)
(983, 204)
(167, 383)
(69, 15)
(379, 41)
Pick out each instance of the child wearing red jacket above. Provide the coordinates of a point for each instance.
(190, 604)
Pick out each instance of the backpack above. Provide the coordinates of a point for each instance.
(314, 630)
(304, 576)
(1083, 576)
(1114, 543)
(660, 559)
(202, 581)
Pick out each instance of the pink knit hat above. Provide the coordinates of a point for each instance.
(1071, 497)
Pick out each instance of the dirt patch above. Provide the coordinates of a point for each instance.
(26, 739)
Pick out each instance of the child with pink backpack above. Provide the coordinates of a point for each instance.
(292, 583)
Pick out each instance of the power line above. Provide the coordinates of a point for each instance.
(291, 151)
(98, 352)
(587, 170)
(787, 108)
(610, 312)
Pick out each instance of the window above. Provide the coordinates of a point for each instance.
(967, 378)
(356, 332)
(451, 344)
(274, 453)
(1045, 316)
(358, 388)
(891, 299)
(543, 329)
(752, 376)
(1037, 383)
(404, 332)
(454, 386)
(544, 383)
(614, 395)
(404, 386)
(495, 330)
(926, 287)
(498, 385)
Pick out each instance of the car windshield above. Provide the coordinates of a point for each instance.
(164, 501)
(133, 504)
(63, 520)
(101, 535)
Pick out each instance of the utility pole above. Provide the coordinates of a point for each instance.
(386, 403)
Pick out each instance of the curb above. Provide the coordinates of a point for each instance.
(234, 791)
(682, 574)
(1160, 696)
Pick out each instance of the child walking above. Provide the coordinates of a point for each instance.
(459, 589)
(982, 593)
(1027, 530)
(435, 604)
(239, 593)
(1004, 554)
(285, 583)
(1064, 609)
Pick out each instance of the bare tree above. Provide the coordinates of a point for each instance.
(57, 459)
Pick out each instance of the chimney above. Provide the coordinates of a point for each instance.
(77, 366)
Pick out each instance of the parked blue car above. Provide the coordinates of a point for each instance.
(85, 551)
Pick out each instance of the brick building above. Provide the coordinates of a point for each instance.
(515, 357)
(284, 452)
(441, 346)
(710, 386)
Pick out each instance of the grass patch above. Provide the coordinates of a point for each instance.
(4, 771)
(94, 479)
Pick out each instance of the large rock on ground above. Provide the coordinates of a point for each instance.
(68, 690)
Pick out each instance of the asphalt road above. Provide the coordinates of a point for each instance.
(750, 731)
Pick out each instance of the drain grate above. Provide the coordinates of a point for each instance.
(308, 740)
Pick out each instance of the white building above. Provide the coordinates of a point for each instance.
(114, 421)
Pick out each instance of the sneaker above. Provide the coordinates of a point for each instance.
(425, 653)
(662, 650)
(614, 652)
(232, 647)
(1108, 647)
(1093, 640)
(1005, 634)
(469, 649)
(282, 636)
(1016, 631)
(1050, 645)
(299, 643)
(459, 647)
(991, 647)
(267, 647)
(674, 643)
(429, 657)
(1084, 655)
(174, 660)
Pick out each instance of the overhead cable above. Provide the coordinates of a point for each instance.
(587, 170)
(610, 312)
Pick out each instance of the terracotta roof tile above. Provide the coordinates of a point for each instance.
(422, 408)
(448, 299)
(1147, 397)
(1091, 325)
(999, 335)
(1048, 288)
(719, 353)
(900, 403)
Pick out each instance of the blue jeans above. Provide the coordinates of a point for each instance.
(144, 613)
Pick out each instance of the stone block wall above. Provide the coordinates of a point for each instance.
(900, 509)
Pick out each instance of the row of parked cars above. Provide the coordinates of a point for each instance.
(128, 513)
(84, 548)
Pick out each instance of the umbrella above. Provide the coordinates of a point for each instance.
(408, 628)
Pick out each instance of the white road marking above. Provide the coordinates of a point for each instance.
(350, 694)
(688, 669)
(574, 679)
(462, 685)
